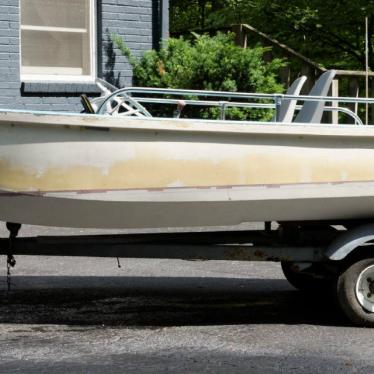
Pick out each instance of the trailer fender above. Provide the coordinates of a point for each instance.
(344, 244)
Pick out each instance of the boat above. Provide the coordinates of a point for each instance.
(137, 171)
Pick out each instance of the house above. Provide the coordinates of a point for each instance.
(51, 51)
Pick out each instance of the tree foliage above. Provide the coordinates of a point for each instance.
(332, 32)
(207, 63)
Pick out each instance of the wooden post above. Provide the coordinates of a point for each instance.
(371, 118)
(353, 91)
(240, 36)
(268, 56)
(309, 72)
(285, 75)
(335, 93)
(367, 69)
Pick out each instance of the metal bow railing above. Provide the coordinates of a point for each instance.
(224, 100)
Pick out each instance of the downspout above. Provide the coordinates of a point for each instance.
(164, 22)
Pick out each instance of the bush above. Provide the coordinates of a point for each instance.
(207, 63)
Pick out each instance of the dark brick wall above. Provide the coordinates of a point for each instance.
(134, 20)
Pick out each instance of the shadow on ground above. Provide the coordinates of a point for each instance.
(160, 301)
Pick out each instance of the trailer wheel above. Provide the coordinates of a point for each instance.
(355, 292)
(314, 279)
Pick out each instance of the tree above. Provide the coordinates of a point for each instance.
(192, 13)
(330, 32)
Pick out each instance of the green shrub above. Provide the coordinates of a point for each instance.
(207, 63)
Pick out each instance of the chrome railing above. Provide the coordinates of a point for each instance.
(275, 104)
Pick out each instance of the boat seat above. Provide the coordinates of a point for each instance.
(312, 111)
(287, 108)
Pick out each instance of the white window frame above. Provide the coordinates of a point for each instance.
(65, 78)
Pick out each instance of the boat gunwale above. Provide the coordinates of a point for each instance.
(103, 122)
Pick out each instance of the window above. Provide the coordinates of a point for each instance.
(57, 40)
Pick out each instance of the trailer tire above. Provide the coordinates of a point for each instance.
(312, 280)
(353, 287)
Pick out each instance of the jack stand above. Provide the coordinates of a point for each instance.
(13, 229)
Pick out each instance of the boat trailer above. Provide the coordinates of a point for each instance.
(314, 257)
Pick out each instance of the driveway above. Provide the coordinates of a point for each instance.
(87, 315)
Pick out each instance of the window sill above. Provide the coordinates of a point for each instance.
(59, 88)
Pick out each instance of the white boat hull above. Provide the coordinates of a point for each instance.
(192, 208)
(90, 171)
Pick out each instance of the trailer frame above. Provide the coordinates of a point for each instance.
(314, 255)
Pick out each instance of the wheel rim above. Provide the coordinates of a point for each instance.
(365, 289)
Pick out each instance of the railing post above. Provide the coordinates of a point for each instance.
(278, 103)
(223, 105)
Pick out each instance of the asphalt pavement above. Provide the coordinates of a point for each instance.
(87, 315)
